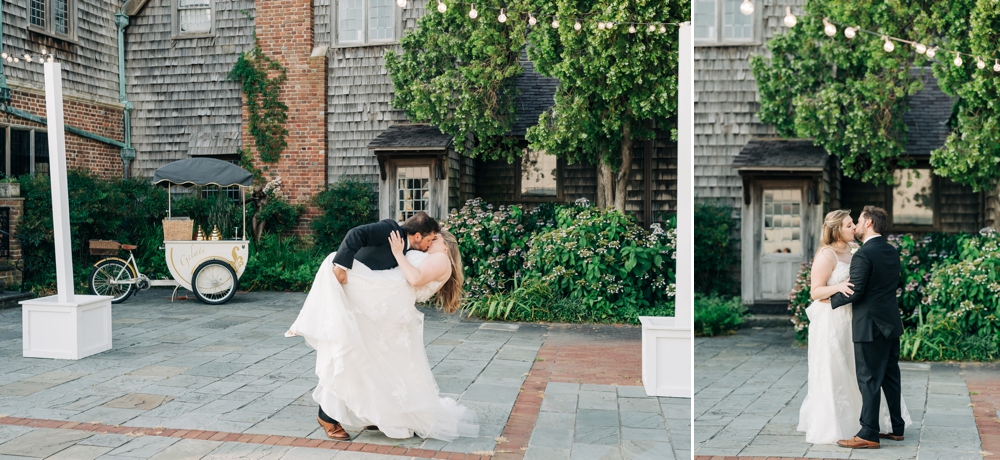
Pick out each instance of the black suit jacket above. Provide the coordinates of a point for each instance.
(875, 275)
(369, 244)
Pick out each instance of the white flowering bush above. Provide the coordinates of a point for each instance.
(602, 260)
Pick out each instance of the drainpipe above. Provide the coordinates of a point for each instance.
(128, 153)
(4, 90)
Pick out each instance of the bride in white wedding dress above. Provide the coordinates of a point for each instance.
(831, 410)
(369, 341)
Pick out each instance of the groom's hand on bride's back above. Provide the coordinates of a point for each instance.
(340, 273)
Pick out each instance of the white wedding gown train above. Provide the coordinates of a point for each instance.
(831, 410)
(370, 356)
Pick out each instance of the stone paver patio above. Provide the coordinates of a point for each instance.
(749, 388)
(187, 380)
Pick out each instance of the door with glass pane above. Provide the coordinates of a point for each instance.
(413, 191)
(781, 242)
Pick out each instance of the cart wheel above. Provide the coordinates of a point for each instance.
(214, 282)
(112, 278)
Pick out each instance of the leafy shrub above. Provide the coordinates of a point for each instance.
(277, 214)
(278, 263)
(713, 251)
(944, 340)
(125, 210)
(602, 259)
(717, 315)
(964, 290)
(918, 259)
(345, 205)
(493, 243)
(210, 210)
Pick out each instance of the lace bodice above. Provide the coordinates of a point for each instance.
(840, 274)
(428, 290)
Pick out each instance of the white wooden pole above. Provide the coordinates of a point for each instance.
(60, 193)
(684, 308)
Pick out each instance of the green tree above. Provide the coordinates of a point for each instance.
(849, 95)
(458, 73)
(612, 82)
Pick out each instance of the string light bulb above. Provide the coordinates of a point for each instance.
(44, 52)
(888, 46)
(442, 7)
(600, 25)
(631, 29)
(3, 55)
(17, 60)
(790, 19)
(50, 58)
(401, 3)
(931, 52)
(921, 48)
(979, 63)
(958, 60)
(555, 23)
(473, 13)
(851, 32)
(828, 28)
(531, 20)
(503, 16)
(652, 28)
(663, 29)
(577, 25)
(996, 65)
(746, 8)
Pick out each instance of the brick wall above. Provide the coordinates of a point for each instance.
(82, 153)
(8, 275)
(285, 30)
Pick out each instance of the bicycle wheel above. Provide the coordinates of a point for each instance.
(214, 282)
(112, 278)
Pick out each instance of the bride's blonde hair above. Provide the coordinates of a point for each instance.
(832, 224)
(449, 297)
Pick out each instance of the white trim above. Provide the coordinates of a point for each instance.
(397, 22)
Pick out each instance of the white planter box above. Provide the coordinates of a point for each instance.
(666, 357)
(71, 330)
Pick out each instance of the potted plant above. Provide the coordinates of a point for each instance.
(9, 187)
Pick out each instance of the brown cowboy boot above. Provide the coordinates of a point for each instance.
(334, 430)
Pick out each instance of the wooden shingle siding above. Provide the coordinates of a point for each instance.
(90, 67)
(496, 181)
(726, 103)
(184, 103)
(959, 207)
(359, 96)
(580, 181)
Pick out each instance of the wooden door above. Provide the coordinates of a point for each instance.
(781, 240)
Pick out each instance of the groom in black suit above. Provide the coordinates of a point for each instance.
(876, 328)
(369, 244)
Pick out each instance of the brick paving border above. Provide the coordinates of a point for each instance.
(983, 381)
(719, 457)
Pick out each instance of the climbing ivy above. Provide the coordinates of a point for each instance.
(267, 113)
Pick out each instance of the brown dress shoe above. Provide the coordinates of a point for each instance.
(334, 430)
(890, 436)
(372, 427)
(858, 443)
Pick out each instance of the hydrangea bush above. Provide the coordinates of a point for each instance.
(965, 290)
(799, 299)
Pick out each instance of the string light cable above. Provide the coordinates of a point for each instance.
(830, 29)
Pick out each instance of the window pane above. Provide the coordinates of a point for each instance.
(913, 197)
(38, 13)
(61, 10)
(735, 25)
(703, 17)
(195, 20)
(198, 4)
(20, 152)
(414, 190)
(538, 174)
(380, 20)
(41, 153)
(782, 222)
(350, 21)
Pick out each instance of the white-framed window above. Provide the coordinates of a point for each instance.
(413, 189)
(364, 22)
(720, 22)
(913, 198)
(25, 151)
(52, 17)
(782, 221)
(194, 17)
(539, 175)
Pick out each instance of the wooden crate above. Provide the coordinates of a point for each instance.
(178, 229)
(104, 247)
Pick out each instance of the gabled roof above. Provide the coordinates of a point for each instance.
(538, 94)
(927, 120)
(414, 137)
(781, 155)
